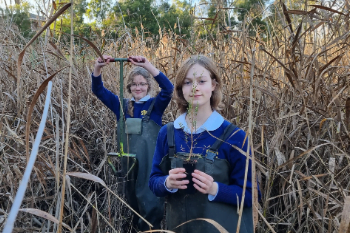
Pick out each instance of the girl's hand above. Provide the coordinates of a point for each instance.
(204, 183)
(99, 64)
(143, 62)
(138, 60)
(175, 179)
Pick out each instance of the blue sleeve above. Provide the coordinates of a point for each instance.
(157, 177)
(164, 96)
(107, 97)
(233, 193)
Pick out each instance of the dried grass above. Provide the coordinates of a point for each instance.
(299, 119)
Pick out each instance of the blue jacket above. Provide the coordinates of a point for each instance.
(140, 109)
(226, 193)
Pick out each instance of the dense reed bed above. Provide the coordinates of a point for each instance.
(299, 77)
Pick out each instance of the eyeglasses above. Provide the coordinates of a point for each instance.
(139, 84)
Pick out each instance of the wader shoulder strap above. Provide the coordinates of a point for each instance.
(149, 110)
(171, 138)
(227, 133)
(212, 152)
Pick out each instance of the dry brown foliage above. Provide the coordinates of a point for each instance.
(300, 119)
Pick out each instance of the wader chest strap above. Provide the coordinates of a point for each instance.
(171, 139)
(212, 151)
(149, 110)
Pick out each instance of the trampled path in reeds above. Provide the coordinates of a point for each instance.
(288, 87)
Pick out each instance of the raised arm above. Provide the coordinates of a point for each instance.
(107, 97)
(143, 62)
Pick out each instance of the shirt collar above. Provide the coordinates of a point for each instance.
(214, 121)
(144, 99)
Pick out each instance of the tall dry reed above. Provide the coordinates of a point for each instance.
(299, 118)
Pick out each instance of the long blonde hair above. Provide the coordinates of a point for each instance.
(130, 79)
(208, 64)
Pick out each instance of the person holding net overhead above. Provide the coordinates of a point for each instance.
(143, 115)
(200, 159)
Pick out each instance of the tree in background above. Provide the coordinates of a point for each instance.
(148, 17)
(176, 16)
(80, 27)
(19, 15)
(251, 8)
(98, 9)
(140, 14)
(215, 14)
(225, 15)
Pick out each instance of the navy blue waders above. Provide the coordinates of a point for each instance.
(189, 204)
(141, 136)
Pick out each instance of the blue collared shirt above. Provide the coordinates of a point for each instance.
(144, 99)
(214, 121)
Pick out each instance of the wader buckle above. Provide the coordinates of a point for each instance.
(210, 155)
(119, 173)
(171, 151)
